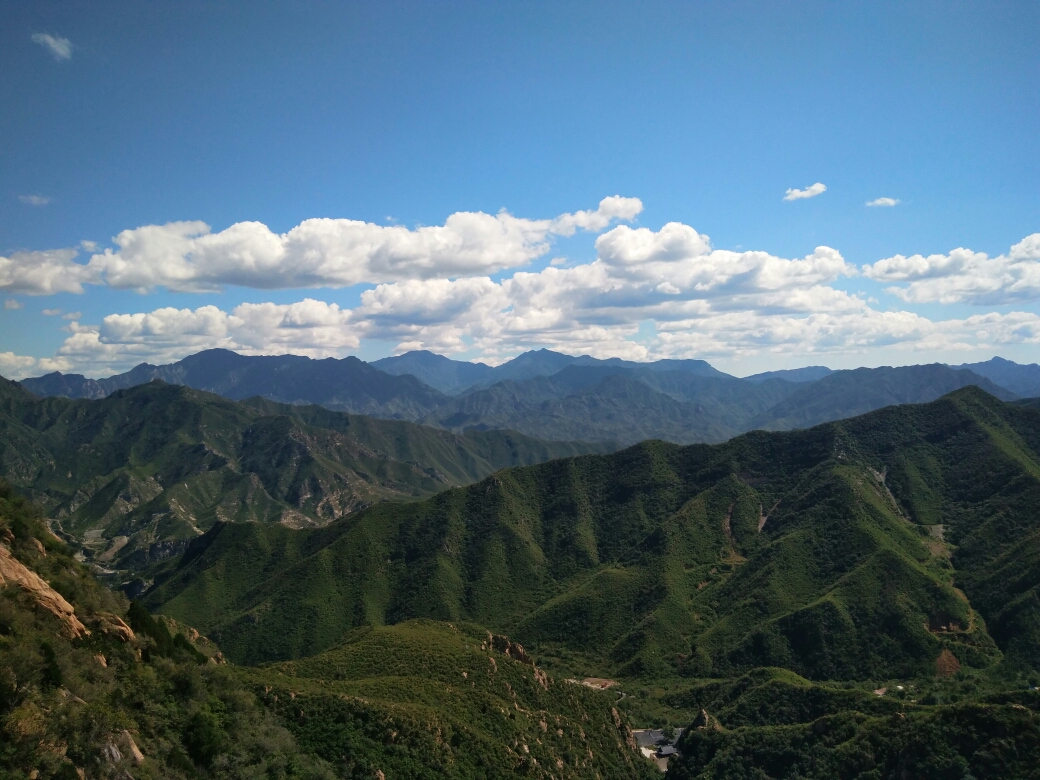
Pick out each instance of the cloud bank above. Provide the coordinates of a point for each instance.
(701, 301)
(188, 257)
(964, 276)
(648, 294)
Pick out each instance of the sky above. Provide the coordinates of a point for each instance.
(760, 185)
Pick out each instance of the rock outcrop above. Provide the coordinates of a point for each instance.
(113, 625)
(13, 572)
(705, 722)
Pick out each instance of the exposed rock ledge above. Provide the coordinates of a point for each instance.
(13, 572)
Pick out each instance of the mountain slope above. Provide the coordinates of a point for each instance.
(349, 385)
(444, 374)
(143, 471)
(121, 694)
(602, 403)
(833, 552)
(807, 374)
(561, 397)
(1022, 380)
(463, 703)
(546, 363)
(848, 393)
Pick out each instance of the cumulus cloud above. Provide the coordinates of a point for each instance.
(702, 302)
(60, 48)
(34, 200)
(186, 256)
(12, 304)
(964, 276)
(45, 273)
(809, 192)
(883, 202)
(309, 327)
(14, 366)
(482, 316)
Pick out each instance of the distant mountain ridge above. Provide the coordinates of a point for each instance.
(807, 374)
(844, 394)
(1023, 380)
(547, 394)
(348, 384)
(139, 473)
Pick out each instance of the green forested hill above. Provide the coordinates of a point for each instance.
(137, 474)
(460, 701)
(93, 687)
(856, 550)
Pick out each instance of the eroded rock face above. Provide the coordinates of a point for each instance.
(705, 722)
(114, 626)
(512, 649)
(515, 651)
(13, 572)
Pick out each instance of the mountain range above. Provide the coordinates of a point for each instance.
(554, 396)
(138, 474)
(859, 599)
(92, 686)
(860, 549)
(856, 599)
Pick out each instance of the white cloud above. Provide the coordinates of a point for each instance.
(60, 48)
(14, 366)
(308, 327)
(702, 302)
(34, 200)
(883, 202)
(964, 276)
(44, 273)
(454, 317)
(52, 312)
(186, 256)
(12, 304)
(809, 192)
(72, 315)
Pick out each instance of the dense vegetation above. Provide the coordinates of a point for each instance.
(138, 474)
(856, 600)
(831, 552)
(88, 702)
(110, 691)
(958, 742)
(442, 700)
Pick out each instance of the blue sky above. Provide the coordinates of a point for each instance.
(404, 114)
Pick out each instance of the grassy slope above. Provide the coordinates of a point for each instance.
(161, 463)
(649, 563)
